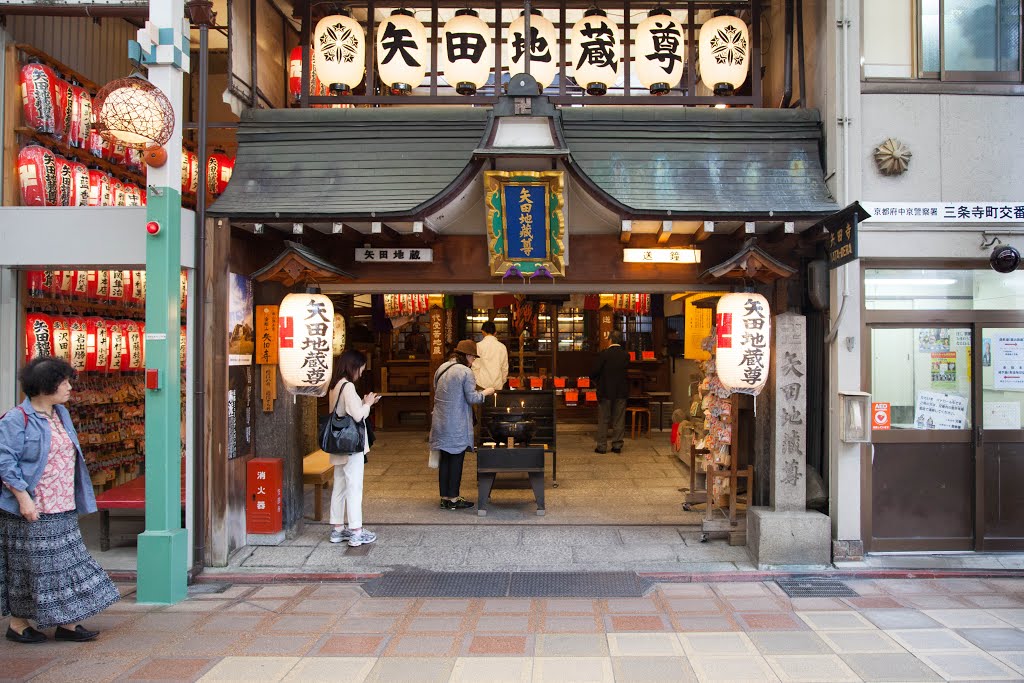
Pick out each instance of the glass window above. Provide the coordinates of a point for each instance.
(969, 37)
(572, 330)
(636, 332)
(412, 340)
(1002, 377)
(924, 374)
(942, 290)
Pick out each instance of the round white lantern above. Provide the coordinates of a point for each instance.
(724, 54)
(743, 334)
(402, 52)
(339, 53)
(660, 52)
(464, 51)
(594, 49)
(543, 46)
(338, 345)
(305, 336)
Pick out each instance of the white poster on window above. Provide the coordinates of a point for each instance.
(1002, 415)
(935, 410)
(1008, 361)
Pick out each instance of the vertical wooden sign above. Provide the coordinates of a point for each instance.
(607, 324)
(266, 354)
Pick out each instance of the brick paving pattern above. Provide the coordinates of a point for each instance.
(898, 630)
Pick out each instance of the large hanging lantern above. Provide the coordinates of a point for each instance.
(61, 338)
(724, 54)
(339, 51)
(305, 332)
(402, 52)
(99, 188)
(464, 43)
(542, 45)
(743, 332)
(78, 337)
(219, 167)
(134, 112)
(38, 85)
(38, 336)
(594, 49)
(37, 176)
(660, 55)
(65, 182)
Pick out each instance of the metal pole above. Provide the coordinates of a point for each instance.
(163, 546)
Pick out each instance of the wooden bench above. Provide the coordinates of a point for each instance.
(318, 471)
(128, 496)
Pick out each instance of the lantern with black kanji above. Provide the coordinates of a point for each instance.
(61, 339)
(65, 182)
(743, 336)
(97, 345)
(402, 52)
(116, 192)
(465, 57)
(78, 136)
(219, 167)
(543, 47)
(339, 53)
(38, 85)
(660, 55)
(64, 109)
(38, 336)
(37, 176)
(99, 188)
(305, 335)
(78, 337)
(594, 48)
(724, 53)
(295, 73)
(80, 183)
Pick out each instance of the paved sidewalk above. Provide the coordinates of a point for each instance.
(897, 630)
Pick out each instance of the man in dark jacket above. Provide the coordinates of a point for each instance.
(609, 377)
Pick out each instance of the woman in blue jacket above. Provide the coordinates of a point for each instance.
(46, 573)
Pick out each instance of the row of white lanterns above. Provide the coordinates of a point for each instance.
(595, 50)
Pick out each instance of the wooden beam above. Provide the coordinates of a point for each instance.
(423, 233)
(781, 232)
(664, 232)
(703, 232)
(382, 232)
(626, 232)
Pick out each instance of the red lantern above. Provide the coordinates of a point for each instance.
(37, 176)
(117, 285)
(133, 345)
(295, 73)
(80, 288)
(186, 170)
(143, 196)
(64, 109)
(80, 184)
(133, 160)
(218, 172)
(139, 286)
(65, 182)
(98, 145)
(183, 289)
(49, 283)
(97, 345)
(142, 336)
(116, 192)
(78, 339)
(116, 335)
(38, 83)
(61, 338)
(34, 282)
(79, 133)
(132, 195)
(101, 288)
(66, 282)
(117, 154)
(38, 336)
(99, 188)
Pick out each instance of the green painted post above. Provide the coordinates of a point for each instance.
(163, 547)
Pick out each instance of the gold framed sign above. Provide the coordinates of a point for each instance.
(525, 222)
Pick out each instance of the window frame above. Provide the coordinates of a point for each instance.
(949, 76)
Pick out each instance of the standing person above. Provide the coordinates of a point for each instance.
(609, 377)
(46, 573)
(451, 423)
(347, 493)
(491, 366)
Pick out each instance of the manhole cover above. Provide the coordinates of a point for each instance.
(439, 585)
(814, 587)
(578, 585)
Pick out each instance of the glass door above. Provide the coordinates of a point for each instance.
(1000, 438)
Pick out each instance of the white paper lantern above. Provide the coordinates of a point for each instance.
(595, 46)
(660, 52)
(743, 332)
(724, 54)
(543, 48)
(464, 52)
(339, 53)
(402, 52)
(305, 335)
(338, 345)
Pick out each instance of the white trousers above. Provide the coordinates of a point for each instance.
(347, 494)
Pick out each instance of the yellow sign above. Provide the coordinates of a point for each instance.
(699, 322)
(266, 335)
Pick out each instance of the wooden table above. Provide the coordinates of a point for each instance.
(318, 471)
(490, 462)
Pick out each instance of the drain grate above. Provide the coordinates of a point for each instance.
(578, 585)
(816, 587)
(208, 588)
(508, 584)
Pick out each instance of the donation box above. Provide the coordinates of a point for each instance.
(263, 479)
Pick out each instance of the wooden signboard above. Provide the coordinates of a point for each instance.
(266, 335)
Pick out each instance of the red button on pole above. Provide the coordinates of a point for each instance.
(153, 228)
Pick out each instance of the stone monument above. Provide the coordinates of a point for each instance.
(786, 533)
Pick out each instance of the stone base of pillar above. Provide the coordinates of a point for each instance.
(848, 551)
(276, 538)
(785, 539)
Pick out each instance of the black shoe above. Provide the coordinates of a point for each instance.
(460, 504)
(600, 450)
(79, 635)
(28, 636)
(616, 450)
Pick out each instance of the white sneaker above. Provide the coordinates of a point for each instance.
(357, 538)
(339, 535)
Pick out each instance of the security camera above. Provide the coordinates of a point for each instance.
(1004, 259)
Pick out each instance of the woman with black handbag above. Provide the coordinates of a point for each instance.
(347, 494)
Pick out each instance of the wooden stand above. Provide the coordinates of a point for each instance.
(698, 493)
(724, 521)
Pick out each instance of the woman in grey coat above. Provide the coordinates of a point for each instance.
(451, 424)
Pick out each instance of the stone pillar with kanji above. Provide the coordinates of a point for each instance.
(786, 533)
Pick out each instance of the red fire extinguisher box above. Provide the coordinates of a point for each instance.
(263, 495)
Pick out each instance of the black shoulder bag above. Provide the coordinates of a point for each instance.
(341, 435)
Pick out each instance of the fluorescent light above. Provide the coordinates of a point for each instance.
(911, 281)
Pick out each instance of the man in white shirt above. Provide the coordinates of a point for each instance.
(491, 367)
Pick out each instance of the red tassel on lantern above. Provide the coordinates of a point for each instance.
(61, 338)
(218, 172)
(38, 336)
(78, 338)
(37, 176)
(37, 97)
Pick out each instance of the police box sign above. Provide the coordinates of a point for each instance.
(365, 255)
(945, 212)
